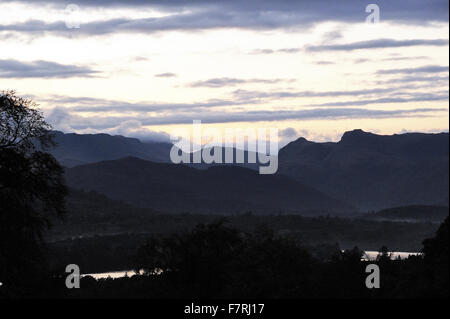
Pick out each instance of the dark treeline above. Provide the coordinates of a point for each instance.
(113, 244)
(412, 213)
(216, 261)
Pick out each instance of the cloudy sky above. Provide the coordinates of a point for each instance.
(311, 68)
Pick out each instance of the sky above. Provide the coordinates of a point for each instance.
(311, 68)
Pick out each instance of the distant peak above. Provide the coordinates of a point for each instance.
(301, 140)
(357, 131)
(355, 135)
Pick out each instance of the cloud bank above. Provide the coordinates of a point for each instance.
(42, 69)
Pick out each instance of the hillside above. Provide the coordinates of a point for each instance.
(91, 213)
(218, 189)
(77, 149)
(369, 171)
(373, 171)
(419, 213)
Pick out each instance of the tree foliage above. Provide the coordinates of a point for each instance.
(32, 190)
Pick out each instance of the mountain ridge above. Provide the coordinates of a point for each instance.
(366, 170)
(74, 149)
(373, 171)
(218, 189)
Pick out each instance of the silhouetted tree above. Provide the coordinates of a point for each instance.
(383, 254)
(32, 191)
(217, 261)
(197, 262)
(436, 262)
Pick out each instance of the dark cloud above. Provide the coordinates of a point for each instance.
(324, 62)
(370, 44)
(289, 50)
(93, 105)
(241, 98)
(315, 9)
(270, 51)
(250, 14)
(287, 135)
(288, 132)
(244, 94)
(141, 59)
(422, 69)
(392, 58)
(413, 98)
(434, 80)
(63, 118)
(376, 44)
(42, 69)
(192, 21)
(225, 82)
(263, 51)
(362, 60)
(217, 82)
(405, 58)
(332, 36)
(166, 75)
(256, 116)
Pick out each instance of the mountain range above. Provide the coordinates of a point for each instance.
(373, 171)
(77, 149)
(363, 171)
(216, 190)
